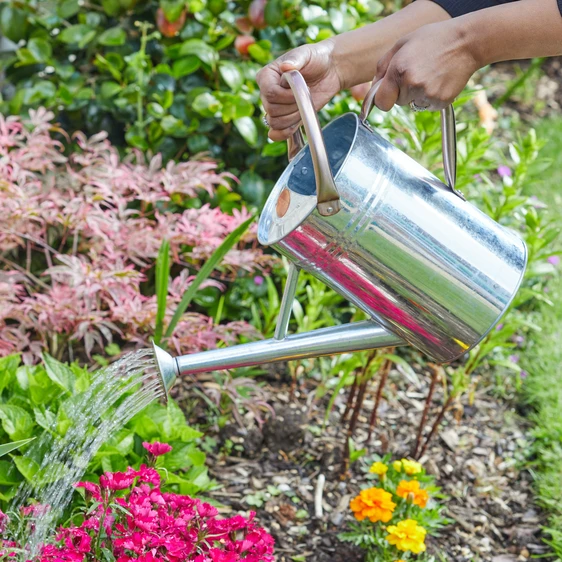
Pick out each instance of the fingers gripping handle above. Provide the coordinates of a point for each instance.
(448, 135)
(328, 199)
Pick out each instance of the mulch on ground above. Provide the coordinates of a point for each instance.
(475, 457)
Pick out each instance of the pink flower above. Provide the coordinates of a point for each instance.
(554, 260)
(116, 480)
(258, 280)
(504, 171)
(3, 521)
(157, 449)
(93, 490)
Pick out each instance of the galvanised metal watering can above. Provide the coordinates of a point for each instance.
(428, 268)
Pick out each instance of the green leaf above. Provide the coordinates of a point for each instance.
(8, 368)
(59, 373)
(13, 23)
(200, 49)
(273, 12)
(247, 128)
(185, 66)
(113, 37)
(206, 270)
(16, 421)
(206, 104)
(46, 419)
(79, 34)
(259, 54)
(174, 127)
(172, 9)
(27, 467)
(9, 447)
(40, 49)
(231, 74)
(68, 8)
(8, 474)
(109, 89)
(162, 276)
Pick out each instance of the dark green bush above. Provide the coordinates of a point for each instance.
(167, 77)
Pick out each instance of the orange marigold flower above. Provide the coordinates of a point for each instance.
(374, 504)
(419, 496)
(407, 535)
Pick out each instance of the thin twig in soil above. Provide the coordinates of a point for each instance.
(435, 375)
(385, 370)
(436, 424)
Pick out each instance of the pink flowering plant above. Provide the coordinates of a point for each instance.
(128, 517)
(80, 231)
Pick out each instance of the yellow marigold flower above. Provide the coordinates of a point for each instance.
(419, 495)
(407, 535)
(378, 468)
(411, 467)
(397, 465)
(374, 504)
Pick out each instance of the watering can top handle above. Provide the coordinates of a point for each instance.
(448, 134)
(328, 199)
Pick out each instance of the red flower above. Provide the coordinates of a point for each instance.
(157, 449)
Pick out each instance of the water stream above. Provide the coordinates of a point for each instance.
(95, 415)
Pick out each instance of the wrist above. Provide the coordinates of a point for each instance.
(471, 44)
(342, 62)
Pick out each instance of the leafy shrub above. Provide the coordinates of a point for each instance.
(79, 237)
(395, 516)
(128, 517)
(38, 399)
(187, 86)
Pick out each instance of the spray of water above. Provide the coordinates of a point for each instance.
(115, 395)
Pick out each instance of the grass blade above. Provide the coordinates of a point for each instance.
(8, 447)
(206, 270)
(162, 276)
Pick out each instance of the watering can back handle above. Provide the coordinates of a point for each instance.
(328, 199)
(448, 134)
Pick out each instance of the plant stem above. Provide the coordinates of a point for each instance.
(350, 399)
(436, 424)
(434, 378)
(385, 371)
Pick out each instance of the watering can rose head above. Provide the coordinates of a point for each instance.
(128, 517)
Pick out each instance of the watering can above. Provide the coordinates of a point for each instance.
(428, 268)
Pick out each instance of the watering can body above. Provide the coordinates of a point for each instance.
(403, 246)
(427, 267)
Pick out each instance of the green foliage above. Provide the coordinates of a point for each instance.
(34, 401)
(541, 391)
(171, 81)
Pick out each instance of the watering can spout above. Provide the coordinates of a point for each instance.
(167, 368)
(326, 341)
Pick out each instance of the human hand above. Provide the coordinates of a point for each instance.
(429, 67)
(317, 65)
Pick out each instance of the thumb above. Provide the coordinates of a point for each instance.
(295, 60)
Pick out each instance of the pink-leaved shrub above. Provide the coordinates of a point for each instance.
(79, 235)
(127, 517)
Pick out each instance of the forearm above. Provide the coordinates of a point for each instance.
(358, 52)
(519, 30)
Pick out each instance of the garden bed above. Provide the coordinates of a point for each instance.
(475, 459)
